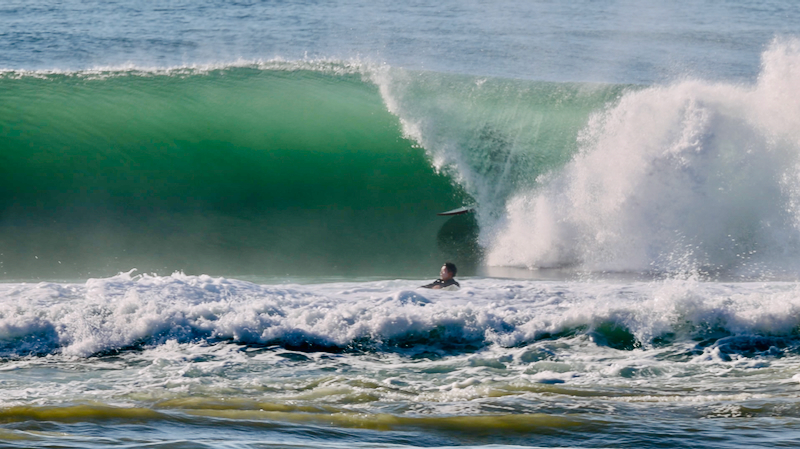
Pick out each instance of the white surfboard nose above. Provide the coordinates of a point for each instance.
(459, 211)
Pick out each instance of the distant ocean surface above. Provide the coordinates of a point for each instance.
(215, 218)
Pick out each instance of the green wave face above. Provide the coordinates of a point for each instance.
(233, 171)
(270, 170)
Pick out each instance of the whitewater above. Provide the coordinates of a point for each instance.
(224, 361)
(689, 175)
(215, 219)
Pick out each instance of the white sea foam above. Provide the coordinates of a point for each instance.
(497, 345)
(674, 178)
(133, 310)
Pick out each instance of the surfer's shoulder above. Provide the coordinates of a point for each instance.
(449, 285)
(433, 284)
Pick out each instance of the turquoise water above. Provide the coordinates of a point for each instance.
(215, 216)
(241, 170)
(286, 169)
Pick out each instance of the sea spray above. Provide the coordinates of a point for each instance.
(687, 176)
(494, 136)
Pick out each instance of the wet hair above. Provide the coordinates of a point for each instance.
(451, 267)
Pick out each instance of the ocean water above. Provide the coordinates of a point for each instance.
(215, 217)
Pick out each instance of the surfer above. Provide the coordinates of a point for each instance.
(445, 281)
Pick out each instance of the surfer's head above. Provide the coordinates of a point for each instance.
(448, 271)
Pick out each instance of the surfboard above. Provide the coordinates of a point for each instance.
(459, 211)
